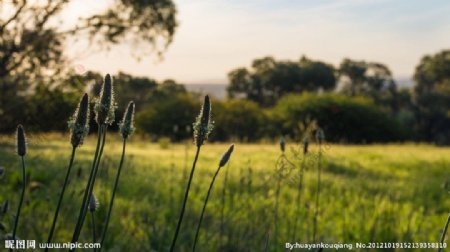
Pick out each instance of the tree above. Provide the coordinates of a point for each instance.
(32, 41)
(132, 88)
(432, 97)
(316, 75)
(268, 79)
(167, 89)
(370, 79)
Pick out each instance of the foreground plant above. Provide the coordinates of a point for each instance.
(226, 156)
(222, 205)
(21, 151)
(281, 166)
(444, 233)
(126, 128)
(320, 138)
(104, 110)
(93, 206)
(202, 128)
(79, 127)
(300, 186)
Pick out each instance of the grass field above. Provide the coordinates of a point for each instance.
(379, 193)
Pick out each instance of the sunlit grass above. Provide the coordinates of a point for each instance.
(369, 193)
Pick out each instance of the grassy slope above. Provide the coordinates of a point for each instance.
(369, 193)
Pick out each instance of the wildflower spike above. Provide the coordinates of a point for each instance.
(21, 141)
(5, 207)
(105, 105)
(93, 203)
(305, 146)
(282, 144)
(203, 125)
(226, 156)
(126, 127)
(79, 124)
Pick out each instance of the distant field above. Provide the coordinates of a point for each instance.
(380, 193)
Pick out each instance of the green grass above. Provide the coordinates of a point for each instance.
(377, 193)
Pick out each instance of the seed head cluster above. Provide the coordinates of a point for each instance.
(126, 126)
(226, 156)
(79, 123)
(106, 105)
(305, 146)
(21, 141)
(93, 203)
(282, 144)
(5, 207)
(203, 124)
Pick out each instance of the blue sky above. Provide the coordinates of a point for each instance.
(216, 36)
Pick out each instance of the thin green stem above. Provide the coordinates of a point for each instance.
(444, 232)
(281, 161)
(58, 207)
(267, 242)
(24, 181)
(94, 236)
(86, 195)
(299, 195)
(316, 209)
(91, 188)
(204, 208)
(277, 196)
(186, 194)
(222, 212)
(111, 202)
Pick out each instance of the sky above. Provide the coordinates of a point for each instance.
(216, 36)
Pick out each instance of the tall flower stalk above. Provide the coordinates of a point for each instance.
(280, 169)
(320, 138)
(79, 127)
(126, 128)
(444, 232)
(300, 186)
(223, 204)
(93, 206)
(104, 109)
(226, 156)
(202, 128)
(21, 151)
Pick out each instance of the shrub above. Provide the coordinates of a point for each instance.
(345, 119)
(238, 119)
(169, 118)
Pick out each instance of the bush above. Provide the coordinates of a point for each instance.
(48, 109)
(344, 119)
(238, 119)
(169, 118)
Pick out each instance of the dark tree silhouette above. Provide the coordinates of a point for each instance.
(268, 79)
(432, 97)
(32, 41)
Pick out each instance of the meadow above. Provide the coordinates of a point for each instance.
(369, 193)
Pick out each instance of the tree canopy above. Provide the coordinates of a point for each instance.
(268, 80)
(32, 40)
(432, 97)
(365, 78)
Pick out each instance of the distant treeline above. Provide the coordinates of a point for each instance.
(270, 99)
